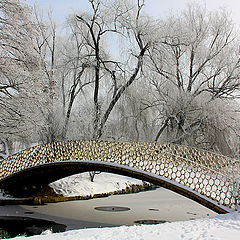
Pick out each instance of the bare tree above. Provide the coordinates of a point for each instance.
(125, 22)
(72, 74)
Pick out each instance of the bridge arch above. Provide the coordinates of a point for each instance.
(205, 177)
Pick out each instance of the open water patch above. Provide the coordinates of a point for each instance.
(28, 212)
(112, 208)
(12, 226)
(149, 221)
(153, 209)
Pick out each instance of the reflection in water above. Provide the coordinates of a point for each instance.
(12, 226)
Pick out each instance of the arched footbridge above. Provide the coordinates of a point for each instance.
(208, 178)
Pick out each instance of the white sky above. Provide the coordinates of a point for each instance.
(157, 8)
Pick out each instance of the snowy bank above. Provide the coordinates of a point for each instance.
(221, 227)
(80, 184)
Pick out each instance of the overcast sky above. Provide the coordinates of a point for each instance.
(157, 8)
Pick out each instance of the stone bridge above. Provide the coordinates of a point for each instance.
(209, 179)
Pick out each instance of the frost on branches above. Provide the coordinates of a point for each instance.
(22, 99)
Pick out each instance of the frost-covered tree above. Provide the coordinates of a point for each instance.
(72, 79)
(22, 99)
(48, 50)
(195, 79)
(96, 72)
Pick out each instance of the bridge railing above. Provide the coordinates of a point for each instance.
(212, 175)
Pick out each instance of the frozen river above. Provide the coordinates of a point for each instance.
(160, 204)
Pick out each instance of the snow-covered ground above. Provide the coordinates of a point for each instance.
(80, 184)
(224, 227)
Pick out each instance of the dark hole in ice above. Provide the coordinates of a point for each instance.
(153, 209)
(28, 212)
(150, 221)
(191, 213)
(112, 208)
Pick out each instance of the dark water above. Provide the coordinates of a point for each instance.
(17, 221)
(12, 226)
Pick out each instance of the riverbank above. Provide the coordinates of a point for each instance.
(48, 195)
(80, 187)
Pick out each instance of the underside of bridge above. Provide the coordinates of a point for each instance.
(29, 181)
